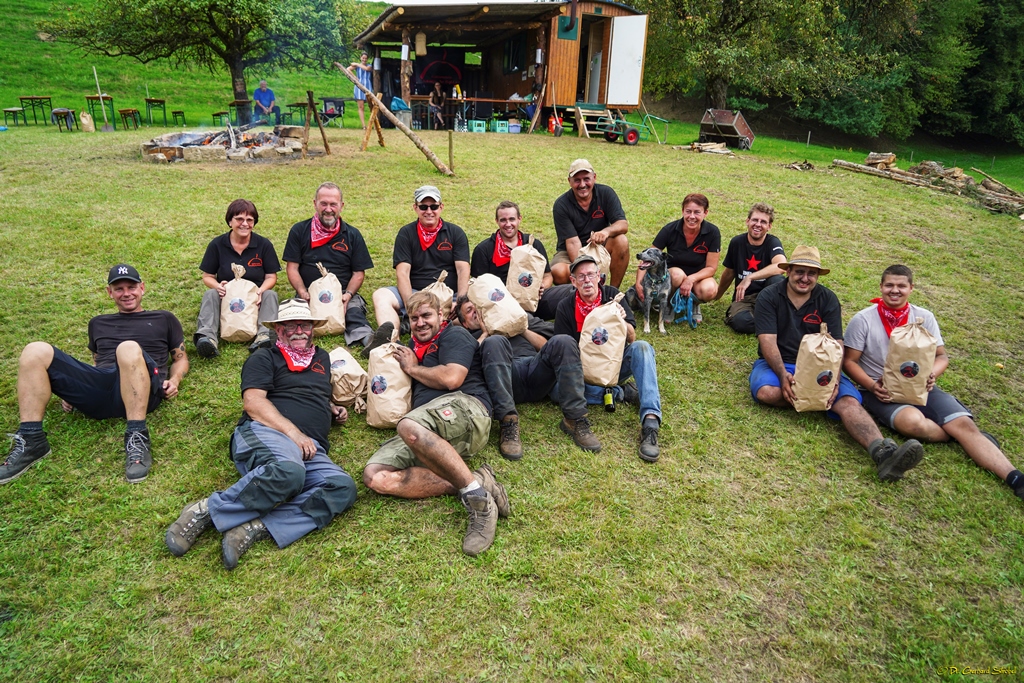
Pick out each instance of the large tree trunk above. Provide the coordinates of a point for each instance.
(716, 92)
(239, 89)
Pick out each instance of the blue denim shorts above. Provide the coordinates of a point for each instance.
(762, 375)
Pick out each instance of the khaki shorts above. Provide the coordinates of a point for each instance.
(458, 418)
(561, 257)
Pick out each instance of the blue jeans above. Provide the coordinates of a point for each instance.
(638, 362)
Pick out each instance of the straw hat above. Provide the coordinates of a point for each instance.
(292, 310)
(805, 256)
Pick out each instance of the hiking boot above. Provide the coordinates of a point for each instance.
(581, 435)
(630, 394)
(649, 450)
(26, 448)
(510, 446)
(236, 541)
(137, 458)
(892, 460)
(483, 520)
(193, 520)
(380, 337)
(207, 348)
(263, 340)
(485, 475)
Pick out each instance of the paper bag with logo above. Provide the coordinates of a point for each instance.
(238, 309)
(500, 313)
(909, 363)
(325, 302)
(601, 255)
(348, 381)
(525, 273)
(443, 293)
(602, 341)
(390, 396)
(87, 125)
(818, 365)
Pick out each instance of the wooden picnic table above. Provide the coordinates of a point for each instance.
(38, 103)
(92, 100)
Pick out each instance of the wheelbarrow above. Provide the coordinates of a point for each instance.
(723, 125)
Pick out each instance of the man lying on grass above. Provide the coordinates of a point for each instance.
(943, 417)
(289, 486)
(130, 350)
(785, 312)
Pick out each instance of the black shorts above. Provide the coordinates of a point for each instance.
(96, 392)
(940, 408)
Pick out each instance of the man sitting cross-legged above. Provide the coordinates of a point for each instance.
(130, 349)
(289, 486)
(450, 420)
(785, 312)
(943, 417)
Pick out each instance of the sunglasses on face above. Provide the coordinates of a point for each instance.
(429, 207)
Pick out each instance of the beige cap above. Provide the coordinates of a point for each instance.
(580, 165)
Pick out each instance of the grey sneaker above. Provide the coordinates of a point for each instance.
(25, 450)
(483, 521)
(193, 520)
(509, 444)
(380, 337)
(485, 475)
(649, 450)
(137, 457)
(892, 460)
(263, 340)
(581, 434)
(630, 394)
(236, 541)
(207, 348)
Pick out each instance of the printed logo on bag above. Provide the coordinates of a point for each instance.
(910, 369)
(340, 245)
(338, 364)
(599, 336)
(444, 246)
(326, 297)
(496, 295)
(236, 306)
(255, 262)
(525, 280)
(701, 248)
(812, 318)
(379, 385)
(317, 366)
(824, 378)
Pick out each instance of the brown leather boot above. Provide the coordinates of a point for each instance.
(580, 432)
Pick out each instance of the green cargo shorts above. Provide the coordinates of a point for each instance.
(458, 418)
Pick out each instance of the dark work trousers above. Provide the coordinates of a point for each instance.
(528, 379)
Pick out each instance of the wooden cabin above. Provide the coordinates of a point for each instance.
(586, 51)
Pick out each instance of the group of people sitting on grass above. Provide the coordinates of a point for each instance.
(463, 376)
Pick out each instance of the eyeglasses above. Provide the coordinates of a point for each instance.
(586, 277)
(429, 207)
(291, 327)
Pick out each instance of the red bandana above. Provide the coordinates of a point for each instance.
(423, 348)
(891, 317)
(502, 252)
(583, 309)
(427, 237)
(319, 235)
(297, 360)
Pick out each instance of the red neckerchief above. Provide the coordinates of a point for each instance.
(503, 252)
(297, 360)
(422, 349)
(427, 237)
(892, 317)
(583, 309)
(319, 235)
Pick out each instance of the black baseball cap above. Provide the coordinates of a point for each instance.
(122, 271)
(582, 258)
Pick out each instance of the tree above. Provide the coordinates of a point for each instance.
(239, 34)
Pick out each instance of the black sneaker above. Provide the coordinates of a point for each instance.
(380, 337)
(137, 457)
(630, 394)
(238, 540)
(194, 520)
(25, 450)
(207, 348)
(892, 460)
(649, 450)
(263, 340)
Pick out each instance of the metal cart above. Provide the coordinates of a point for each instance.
(724, 125)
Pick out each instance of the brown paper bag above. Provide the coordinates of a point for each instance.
(499, 312)
(818, 365)
(601, 255)
(348, 381)
(87, 125)
(525, 275)
(443, 293)
(389, 398)
(602, 342)
(325, 302)
(909, 363)
(238, 309)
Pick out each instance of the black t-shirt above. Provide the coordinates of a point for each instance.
(483, 258)
(521, 346)
(565, 315)
(302, 397)
(572, 221)
(775, 314)
(449, 246)
(343, 254)
(157, 332)
(744, 259)
(455, 345)
(259, 259)
(693, 257)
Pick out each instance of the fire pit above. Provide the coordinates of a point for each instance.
(233, 144)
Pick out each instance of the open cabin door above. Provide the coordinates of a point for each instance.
(626, 62)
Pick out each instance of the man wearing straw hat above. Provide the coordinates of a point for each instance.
(289, 487)
(785, 312)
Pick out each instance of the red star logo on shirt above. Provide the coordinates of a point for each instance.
(753, 264)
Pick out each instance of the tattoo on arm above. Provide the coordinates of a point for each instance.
(178, 353)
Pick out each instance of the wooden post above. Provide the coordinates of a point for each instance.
(406, 68)
(369, 127)
(538, 76)
(316, 115)
(539, 101)
(376, 127)
(438, 164)
(451, 152)
(376, 71)
(305, 131)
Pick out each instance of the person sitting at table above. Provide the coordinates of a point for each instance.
(436, 105)
(364, 73)
(265, 106)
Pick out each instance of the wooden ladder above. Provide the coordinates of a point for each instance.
(587, 117)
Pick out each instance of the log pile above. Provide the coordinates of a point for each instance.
(881, 160)
(798, 166)
(707, 147)
(934, 175)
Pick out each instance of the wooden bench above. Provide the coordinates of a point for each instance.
(15, 112)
